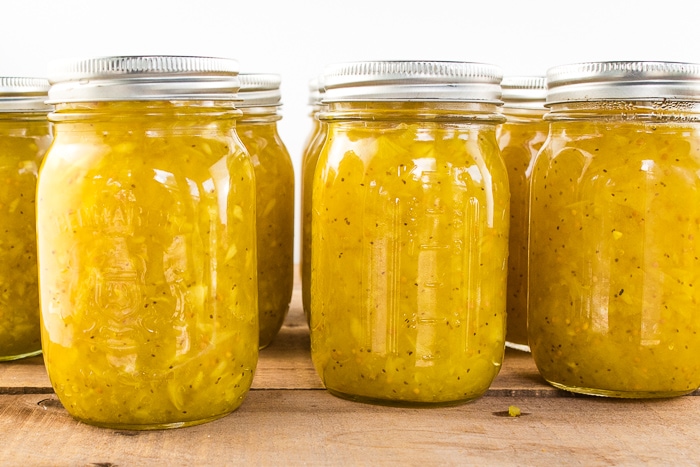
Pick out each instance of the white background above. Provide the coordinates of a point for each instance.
(297, 38)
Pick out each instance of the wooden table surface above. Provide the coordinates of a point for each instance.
(289, 419)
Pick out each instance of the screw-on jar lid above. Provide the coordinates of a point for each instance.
(259, 90)
(626, 81)
(524, 92)
(316, 90)
(412, 81)
(21, 94)
(143, 78)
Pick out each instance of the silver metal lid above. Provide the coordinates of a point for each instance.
(143, 78)
(524, 92)
(412, 81)
(623, 80)
(22, 94)
(259, 90)
(316, 90)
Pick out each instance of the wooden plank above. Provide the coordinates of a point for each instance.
(26, 376)
(278, 423)
(519, 377)
(277, 427)
(286, 364)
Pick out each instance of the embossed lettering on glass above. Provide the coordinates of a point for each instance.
(146, 234)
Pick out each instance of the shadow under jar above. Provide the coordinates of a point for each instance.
(409, 233)
(146, 240)
(615, 223)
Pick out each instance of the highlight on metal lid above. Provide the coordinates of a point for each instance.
(316, 90)
(259, 90)
(23, 94)
(623, 80)
(146, 77)
(524, 92)
(412, 81)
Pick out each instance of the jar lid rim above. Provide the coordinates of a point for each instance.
(316, 90)
(23, 94)
(524, 91)
(623, 80)
(422, 80)
(260, 90)
(143, 77)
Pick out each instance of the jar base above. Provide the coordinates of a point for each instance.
(620, 394)
(521, 347)
(151, 427)
(9, 358)
(264, 346)
(399, 403)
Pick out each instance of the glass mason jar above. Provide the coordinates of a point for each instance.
(25, 135)
(314, 102)
(309, 160)
(146, 241)
(615, 224)
(410, 233)
(274, 186)
(520, 138)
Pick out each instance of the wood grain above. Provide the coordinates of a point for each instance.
(281, 427)
(26, 376)
(286, 364)
(287, 418)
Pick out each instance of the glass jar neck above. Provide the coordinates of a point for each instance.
(314, 112)
(6, 117)
(124, 111)
(523, 114)
(315, 109)
(411, 111)
(261, 114)
(661, 110)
